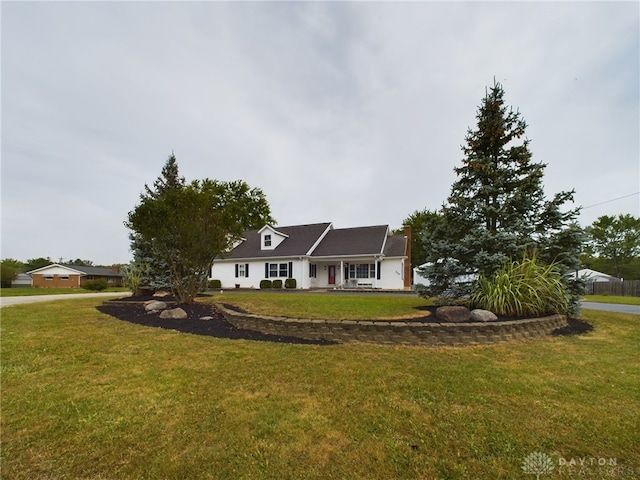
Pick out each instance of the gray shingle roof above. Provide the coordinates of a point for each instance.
(104, 272)
(337, 242)
(300, 240)
(352, 241)
(396, 246)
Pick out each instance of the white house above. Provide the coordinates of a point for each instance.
(22, 280)
(318, 256)
(418, 279)
(592, 276)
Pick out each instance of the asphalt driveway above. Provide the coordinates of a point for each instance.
(611, 307)
(7, 301)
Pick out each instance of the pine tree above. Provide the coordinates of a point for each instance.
(169, 179)
(497, 209)
(156, 270)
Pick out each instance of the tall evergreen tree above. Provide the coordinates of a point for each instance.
(497, 208)
(156, 269)
(168, 180)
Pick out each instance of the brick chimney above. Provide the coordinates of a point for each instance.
(115, 268)
(407, 263)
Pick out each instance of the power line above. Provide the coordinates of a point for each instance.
(612, 200)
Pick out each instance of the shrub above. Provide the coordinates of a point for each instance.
(524, 288)
(96, 285)
(265, 284)
(134, 277)
(277, 284)
(290, 283)
(214, 284)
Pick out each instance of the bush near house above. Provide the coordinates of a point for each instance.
(215, 284)
(277, 284)
(266, 283)
(290, 283)
(96, 285)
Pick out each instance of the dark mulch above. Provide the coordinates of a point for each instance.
(131, 309)
(574, 326)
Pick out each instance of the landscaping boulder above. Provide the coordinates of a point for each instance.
(453, 314)
(154, 306)
(161, 294)
(479, 315)
(176, 313)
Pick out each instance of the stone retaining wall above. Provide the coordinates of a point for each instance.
(397, 332)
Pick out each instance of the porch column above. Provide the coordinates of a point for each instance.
(342, 273)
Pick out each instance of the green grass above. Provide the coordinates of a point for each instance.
(612, 299)
(326, 306)
(26, 291)
(85, 396)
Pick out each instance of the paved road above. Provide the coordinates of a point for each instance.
(7, 301)
(612, 307)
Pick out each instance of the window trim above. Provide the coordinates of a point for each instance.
(276, 270)
(357, 271)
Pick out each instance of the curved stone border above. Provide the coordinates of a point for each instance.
(397, 332)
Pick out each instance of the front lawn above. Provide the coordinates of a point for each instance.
(612, 299)
(86, 396)
(29, 291)
(327, 305)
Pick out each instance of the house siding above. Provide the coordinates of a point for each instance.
(318, 247)
(55, 281)
(391, 273)
(58, 276)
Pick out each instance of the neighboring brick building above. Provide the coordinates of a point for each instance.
(73, 276)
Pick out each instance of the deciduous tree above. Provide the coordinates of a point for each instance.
(186, 226)
(420, 221)
(9, 268)
(616, 239)
(35, 263)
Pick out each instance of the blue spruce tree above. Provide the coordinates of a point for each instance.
(497, 209)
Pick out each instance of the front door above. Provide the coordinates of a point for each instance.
(332, 274)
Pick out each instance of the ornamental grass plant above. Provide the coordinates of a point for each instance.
(523, 288)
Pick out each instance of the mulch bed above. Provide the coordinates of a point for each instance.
(131, 309)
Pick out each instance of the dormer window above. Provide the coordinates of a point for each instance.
(270, 238)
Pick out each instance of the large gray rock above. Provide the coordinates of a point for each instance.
(154, 306)
(161, 294)
(176, 313)
(453, 314)
(479, 315)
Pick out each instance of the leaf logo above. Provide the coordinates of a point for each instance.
(537, 463)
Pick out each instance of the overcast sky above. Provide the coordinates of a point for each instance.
(352, 113)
